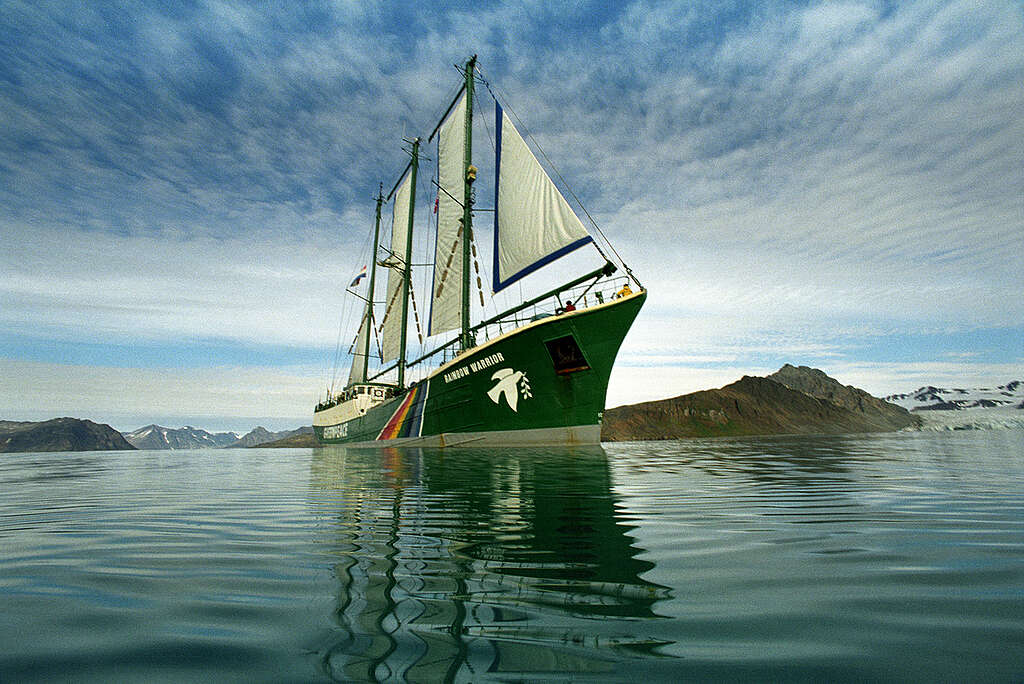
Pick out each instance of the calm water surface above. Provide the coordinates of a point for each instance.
(896, 557)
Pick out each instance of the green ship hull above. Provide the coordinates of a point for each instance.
(543, 383)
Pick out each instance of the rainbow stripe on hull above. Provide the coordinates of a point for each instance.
(407, 420)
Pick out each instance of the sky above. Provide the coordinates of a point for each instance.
(187, 187)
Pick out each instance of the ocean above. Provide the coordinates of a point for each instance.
(896, 557)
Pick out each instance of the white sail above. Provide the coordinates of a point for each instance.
(397, 262)
(359, 357)
(533, 224)
(446, 297)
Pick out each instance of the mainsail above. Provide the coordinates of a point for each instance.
(397, 262)
(446, 298)
(533, 224)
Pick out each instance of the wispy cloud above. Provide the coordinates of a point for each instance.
(788, 180)
(222, 398)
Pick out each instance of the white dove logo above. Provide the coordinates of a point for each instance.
(508, 385)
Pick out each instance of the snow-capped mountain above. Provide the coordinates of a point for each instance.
(158, 437)
(1010, 395)
(981, 408)
(258, 435)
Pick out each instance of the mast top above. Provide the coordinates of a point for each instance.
(470, 66)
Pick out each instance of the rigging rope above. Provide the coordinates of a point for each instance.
(476, 265)
(376, 337)
(352, 347)
(343, 321)
(448, 264)
(415, 314)
(387, 310)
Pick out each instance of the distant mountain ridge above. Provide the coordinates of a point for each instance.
(156, 437)
(794, 400)
(60, 434)
(1010, 395)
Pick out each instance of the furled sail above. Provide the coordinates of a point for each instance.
(396, 262)
(533, 224)
(446, 298)
(358, 372)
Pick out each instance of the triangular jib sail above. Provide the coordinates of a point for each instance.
(533, 224)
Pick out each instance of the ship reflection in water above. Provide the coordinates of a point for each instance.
(474, 564)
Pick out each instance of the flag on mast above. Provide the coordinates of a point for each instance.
(362, 274)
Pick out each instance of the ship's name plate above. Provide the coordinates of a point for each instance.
(473, 367)
(336, 431)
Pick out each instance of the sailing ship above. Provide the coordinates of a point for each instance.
(534, 374)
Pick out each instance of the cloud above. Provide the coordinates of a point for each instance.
(883, 379)
(128, 398)
(849, 163)
(786, 179)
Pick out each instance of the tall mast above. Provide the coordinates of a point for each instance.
(469, 175)
(373, 280)
(407, 266)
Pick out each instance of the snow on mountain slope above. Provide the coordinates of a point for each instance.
(188, 437)
(1010, 395)
(159, 437)
(982, 408)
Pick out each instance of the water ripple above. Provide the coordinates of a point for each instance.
(894, 557)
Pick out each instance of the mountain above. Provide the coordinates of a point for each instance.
(260, 436)
(877, 412)
(60, 434)
(303, 437)
(1010, 395)
(791, 401)
(158, 437)
(979, 408)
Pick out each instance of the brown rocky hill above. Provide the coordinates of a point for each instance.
(815, 383)
(757, 406)
(60, 434)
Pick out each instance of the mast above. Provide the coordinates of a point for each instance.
(407, 266)
(467, 209)
(373, 280)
